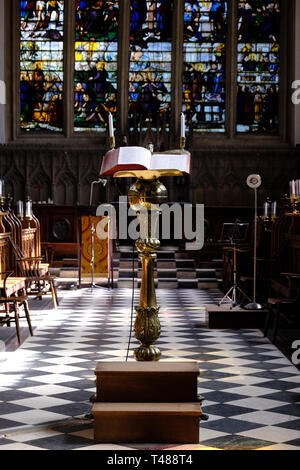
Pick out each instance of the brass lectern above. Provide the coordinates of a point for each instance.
(145, 197)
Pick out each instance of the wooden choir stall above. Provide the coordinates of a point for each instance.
(22, 272)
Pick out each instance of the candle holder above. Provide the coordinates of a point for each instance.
(112, 142)
(182, 143)
(295, 200)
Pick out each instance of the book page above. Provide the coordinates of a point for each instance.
(134, 156)
(163, 161)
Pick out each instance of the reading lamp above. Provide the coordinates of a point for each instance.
(254, 182)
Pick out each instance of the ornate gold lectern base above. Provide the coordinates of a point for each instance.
(145, 197)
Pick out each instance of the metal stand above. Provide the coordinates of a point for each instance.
(253, 305)
(235, 289)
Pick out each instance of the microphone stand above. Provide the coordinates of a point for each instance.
(235, 289)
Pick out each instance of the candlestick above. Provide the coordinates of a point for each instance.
(112, 142)
(182, 143)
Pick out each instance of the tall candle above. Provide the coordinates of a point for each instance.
(293, 188)
(111, 125)
(28, 210)
(182, 125)
(266, 209)
(1, 188)
(274, 209)
(20, 209)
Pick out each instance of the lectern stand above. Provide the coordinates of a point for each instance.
(145, 197)
(147, 401)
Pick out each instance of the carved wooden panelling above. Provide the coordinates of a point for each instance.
(218, 176)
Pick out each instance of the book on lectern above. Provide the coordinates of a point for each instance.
(140, 158)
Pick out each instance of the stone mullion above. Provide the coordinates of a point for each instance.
(177, 68)
(69, 66)
(123, 67)
(231, 68)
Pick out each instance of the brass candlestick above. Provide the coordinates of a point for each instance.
(182, 143)
(295, 202)
(112, 142)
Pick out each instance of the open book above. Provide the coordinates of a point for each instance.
(140, 158)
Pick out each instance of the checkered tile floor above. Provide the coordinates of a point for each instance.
(252, 391)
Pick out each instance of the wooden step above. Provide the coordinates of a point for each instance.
(147, 422)
(147, 381)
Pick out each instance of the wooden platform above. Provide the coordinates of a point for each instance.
(237, 318)
(147, 402)
(147, 381)
(147, 422)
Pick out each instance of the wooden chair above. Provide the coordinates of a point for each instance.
(284, 308)
(37, 278)
(13, 304)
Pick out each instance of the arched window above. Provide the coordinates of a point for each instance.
(145, 62)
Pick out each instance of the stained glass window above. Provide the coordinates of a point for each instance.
(205, 25)
(41, 65)
(150, 62)
(258, 66)
(96, 63)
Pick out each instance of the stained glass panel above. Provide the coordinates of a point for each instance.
(205, 25)
(150, 62)
(41, 65)
(96, 57)
(258, 66)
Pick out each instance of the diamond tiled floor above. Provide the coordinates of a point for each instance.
(252, 391)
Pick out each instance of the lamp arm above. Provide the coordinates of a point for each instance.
(99, 181)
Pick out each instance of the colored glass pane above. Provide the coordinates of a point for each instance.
(205, 27)
(41, 66)
(150, 62)
(258, 66)
(96, 63)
